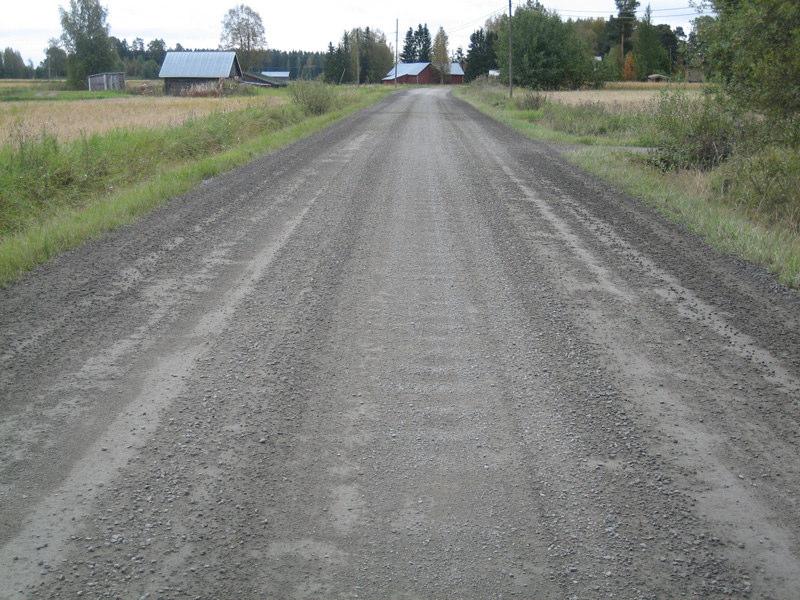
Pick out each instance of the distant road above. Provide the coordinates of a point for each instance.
(413, 356)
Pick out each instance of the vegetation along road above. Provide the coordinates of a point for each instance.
(415, 355)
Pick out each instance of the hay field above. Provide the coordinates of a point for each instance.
(68, 119)
(623, 97)
(39, 84)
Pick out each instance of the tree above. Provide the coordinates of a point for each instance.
(85, 38)
(626, 21)
(156, 51)
(365, 48)
(55, 61)
(670, 41)
(13, 65)
(440, 56)
(629, 69)
(548, 52)
(243, 31)
(481, 56)
(593, 33)
(409, 53)
(754, 47)
(649, 55)
(422, 38)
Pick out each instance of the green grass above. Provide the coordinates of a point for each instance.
(44, 94)
(55, 196)
(588, 124)
(742, 226)
(687, 198)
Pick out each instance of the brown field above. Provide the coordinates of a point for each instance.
(69, 119)
(621, 96)
(28, 83)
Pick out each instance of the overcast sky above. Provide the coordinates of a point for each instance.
(310, 25)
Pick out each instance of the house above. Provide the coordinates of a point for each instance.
(422, 72)
(183, 70)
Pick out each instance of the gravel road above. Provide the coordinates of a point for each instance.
(413, 356)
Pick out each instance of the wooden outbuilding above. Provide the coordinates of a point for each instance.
(101, 82)
(183, 71)
(422, 73)
(456, 73)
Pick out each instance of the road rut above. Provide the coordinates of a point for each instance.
(413, 356)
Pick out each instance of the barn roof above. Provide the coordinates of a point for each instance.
(455, 69)
(201, 65)
(281, 74)
(403, 69)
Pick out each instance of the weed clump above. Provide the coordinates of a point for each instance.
(313, 97)
(764, 183)
(530, 100)
(692, 133)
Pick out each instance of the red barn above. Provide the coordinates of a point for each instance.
(456, 73)
(411, 73)
(423, 73)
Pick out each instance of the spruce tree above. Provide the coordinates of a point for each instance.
(424, 43)
(409, 53)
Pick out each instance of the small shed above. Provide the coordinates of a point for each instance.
(411, 73)
(456, 73)
(107, 81)
(284, 75)
(657, 78)
(183, 70)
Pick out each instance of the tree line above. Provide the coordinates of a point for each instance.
(361, 56)
(85, 47)
(551, 52)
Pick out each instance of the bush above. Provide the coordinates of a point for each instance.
(766, 183)
(313, 97)
(530, 100)
(692, 132)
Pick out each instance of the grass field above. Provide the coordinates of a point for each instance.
(56, 193)
(70, 119)
(618, 98)
(601, 129)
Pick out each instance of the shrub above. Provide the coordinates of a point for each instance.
(529, 100)
(594, 119)
(313, 97)
(692, 132)
(766, 183)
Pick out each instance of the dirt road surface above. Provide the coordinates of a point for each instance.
(413, 356)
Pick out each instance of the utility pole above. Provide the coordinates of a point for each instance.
(358, 57)
(510, 70)
(396, 46)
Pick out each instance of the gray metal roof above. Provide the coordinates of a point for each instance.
(415, 69)
(281, 74)
(412, 69)
(206, 65)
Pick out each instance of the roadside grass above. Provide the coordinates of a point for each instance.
(689, 198)
(55, 196)
(747, 204)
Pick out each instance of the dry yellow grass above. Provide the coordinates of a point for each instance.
(652, 85)
(618, 98)
(26, 83)
(68, 119)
